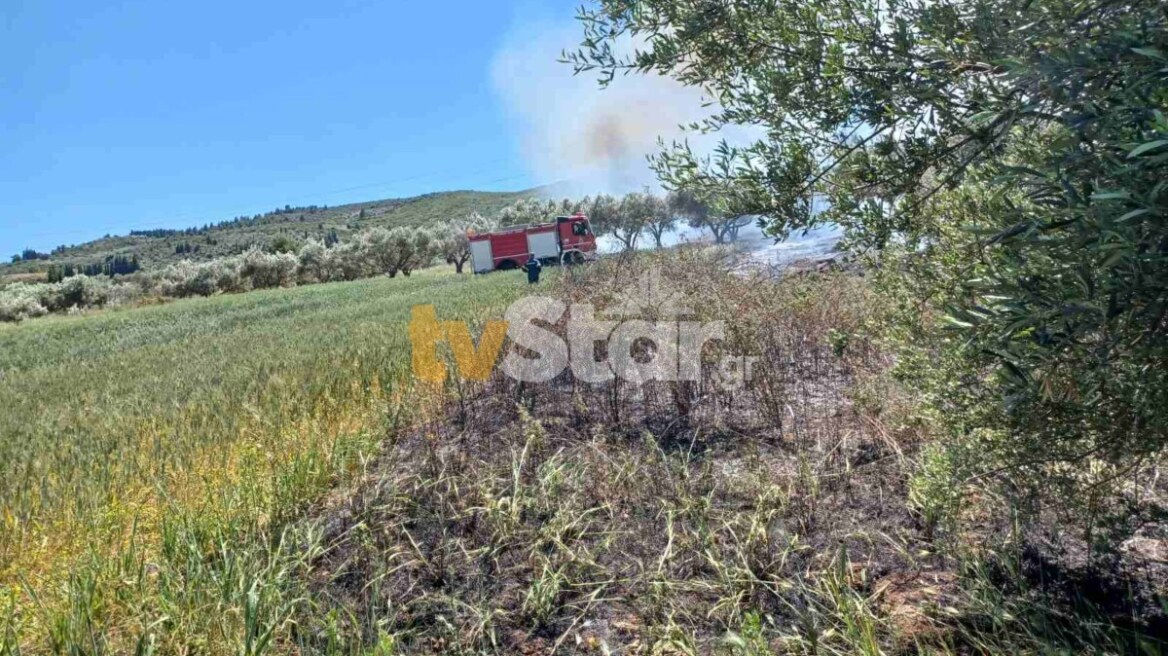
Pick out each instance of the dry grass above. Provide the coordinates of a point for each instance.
(668, 518)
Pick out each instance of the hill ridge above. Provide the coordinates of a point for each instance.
(155, 247)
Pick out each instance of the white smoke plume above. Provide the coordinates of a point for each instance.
(591, 140)
(572, 131)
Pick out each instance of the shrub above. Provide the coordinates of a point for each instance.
(77, 291)
(197, 279)
(380, 249)
(19, 302)
(125, 292)
(346, 262)
(311, 265)
(263, 270)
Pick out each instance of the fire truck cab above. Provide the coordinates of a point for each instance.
(567, 240)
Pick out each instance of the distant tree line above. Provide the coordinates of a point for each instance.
(239, 221)
(285, 261)
(29, 255)
(117, 265)
(628, 218)
(161, 233)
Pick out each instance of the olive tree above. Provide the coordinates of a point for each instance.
(630, 218)
(414, 249)
(311, 262)
(524, 211)
(452, 240)
(709, 212)
(660, 218)
(603, 213)
(380, 248)
(535, 210)
(1006, 158)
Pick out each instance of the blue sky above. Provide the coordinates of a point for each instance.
(120, 115)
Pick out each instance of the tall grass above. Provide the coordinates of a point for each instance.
(150, 459)
(769, 518)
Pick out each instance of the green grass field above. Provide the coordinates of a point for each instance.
(131, 439)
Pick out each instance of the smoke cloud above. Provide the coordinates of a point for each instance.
(587, 138)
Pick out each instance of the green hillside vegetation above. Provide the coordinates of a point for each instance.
(279, 229)
(363, 252)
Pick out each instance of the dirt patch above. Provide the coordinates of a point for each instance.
(913, 600)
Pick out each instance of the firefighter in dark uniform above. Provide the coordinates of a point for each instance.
(532, 267)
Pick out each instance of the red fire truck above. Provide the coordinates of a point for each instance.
(567, 240)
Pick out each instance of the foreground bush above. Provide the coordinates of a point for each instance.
(1005, 164)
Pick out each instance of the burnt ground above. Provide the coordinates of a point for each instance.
(529, 520)
(689, 518)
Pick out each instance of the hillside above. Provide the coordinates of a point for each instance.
(159, 247)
